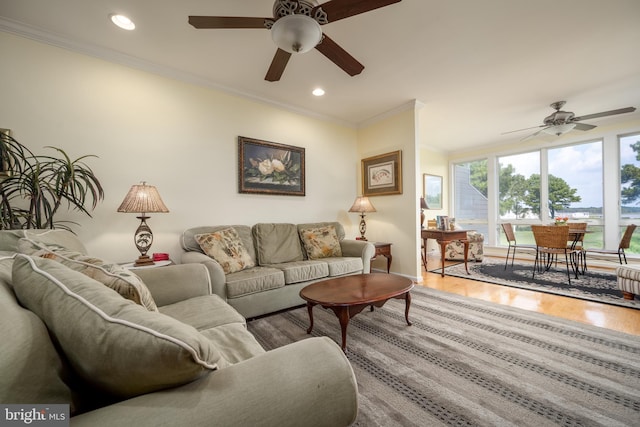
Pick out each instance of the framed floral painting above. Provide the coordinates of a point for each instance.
(270, 168)
(382, 175)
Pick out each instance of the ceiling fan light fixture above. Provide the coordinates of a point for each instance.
(558, 130)
(296, 33)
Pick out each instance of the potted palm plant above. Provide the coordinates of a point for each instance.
(33, 188)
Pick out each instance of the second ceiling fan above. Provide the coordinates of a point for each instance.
(295, 28)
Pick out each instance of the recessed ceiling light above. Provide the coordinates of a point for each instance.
(318, 92)
(122, 21)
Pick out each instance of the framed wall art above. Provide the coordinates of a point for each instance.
(270, 168)
(382, 175)
(4, 158)
(432, 191)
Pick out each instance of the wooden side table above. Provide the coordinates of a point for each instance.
(131, 266)
(443, 237)
(383, 249)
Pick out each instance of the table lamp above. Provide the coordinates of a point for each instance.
(362, 205)
(143, 199)
(423, 206)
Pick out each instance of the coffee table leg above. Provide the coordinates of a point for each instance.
(407, 304)
(310, 310)
(343, 317)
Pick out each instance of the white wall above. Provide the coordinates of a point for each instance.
(397, 218)
(179, 137)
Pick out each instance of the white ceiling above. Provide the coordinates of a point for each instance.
(481, 67)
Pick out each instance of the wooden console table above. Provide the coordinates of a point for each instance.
(383, 249)
(444, 237)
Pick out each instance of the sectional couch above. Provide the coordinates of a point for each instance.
(150, 349)
(261, 269)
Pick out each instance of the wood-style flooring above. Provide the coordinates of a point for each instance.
(603, 315)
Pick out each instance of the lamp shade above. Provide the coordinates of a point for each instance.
(423, 203)
(296, 33)
(558, 130)
(142, 198)
(362, 205)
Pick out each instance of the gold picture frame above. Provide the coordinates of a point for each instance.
(382, 174)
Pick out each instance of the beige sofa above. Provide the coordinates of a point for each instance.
(282, 259)
(151, 348)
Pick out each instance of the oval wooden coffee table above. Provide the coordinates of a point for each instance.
(349, 295)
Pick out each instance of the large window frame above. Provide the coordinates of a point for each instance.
(611, 222)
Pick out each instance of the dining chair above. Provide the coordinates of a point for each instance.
(625, 242)
(507, 227)
(577, 231)
(551, 241)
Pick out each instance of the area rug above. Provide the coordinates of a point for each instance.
(599, 286)
(467, 362)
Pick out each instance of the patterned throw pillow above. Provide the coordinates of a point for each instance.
(227, 249)
(321, 242)
(121, 280)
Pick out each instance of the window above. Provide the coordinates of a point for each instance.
(470, 195)
(630, 186)
(519, 186)
(575, 187)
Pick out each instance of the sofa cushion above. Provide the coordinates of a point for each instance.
(58, 238)
(32, 370)
(234, 342)
(277, 243)
(203, 312)
(227, 249)
(253, 280)
(320, 242)
(112, 343)
(121, 280)
(302, 271)
(344, 265)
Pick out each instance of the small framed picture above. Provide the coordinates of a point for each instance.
(270, 168)
(382, 175)
(433, 191)
(5, 135)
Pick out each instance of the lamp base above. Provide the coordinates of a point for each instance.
(143, 260)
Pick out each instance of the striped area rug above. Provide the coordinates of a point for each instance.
(466, 362)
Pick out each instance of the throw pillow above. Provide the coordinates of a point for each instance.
(227, 249)
(321, 242)
(121, 280)
(112, 343)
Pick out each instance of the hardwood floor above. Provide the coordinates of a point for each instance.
(604, 315)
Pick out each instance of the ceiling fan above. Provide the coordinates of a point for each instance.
(295, 28)
(561, 122)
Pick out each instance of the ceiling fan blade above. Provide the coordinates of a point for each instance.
(584, 126)
(535, 134)
(226, 22)
(278, 65)
(605, 113)
(520, 130)
(340, 9)
(339, 56)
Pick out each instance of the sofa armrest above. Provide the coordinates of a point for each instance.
(175, 283)
(216, 273)
(307, 383)
(359, 248)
